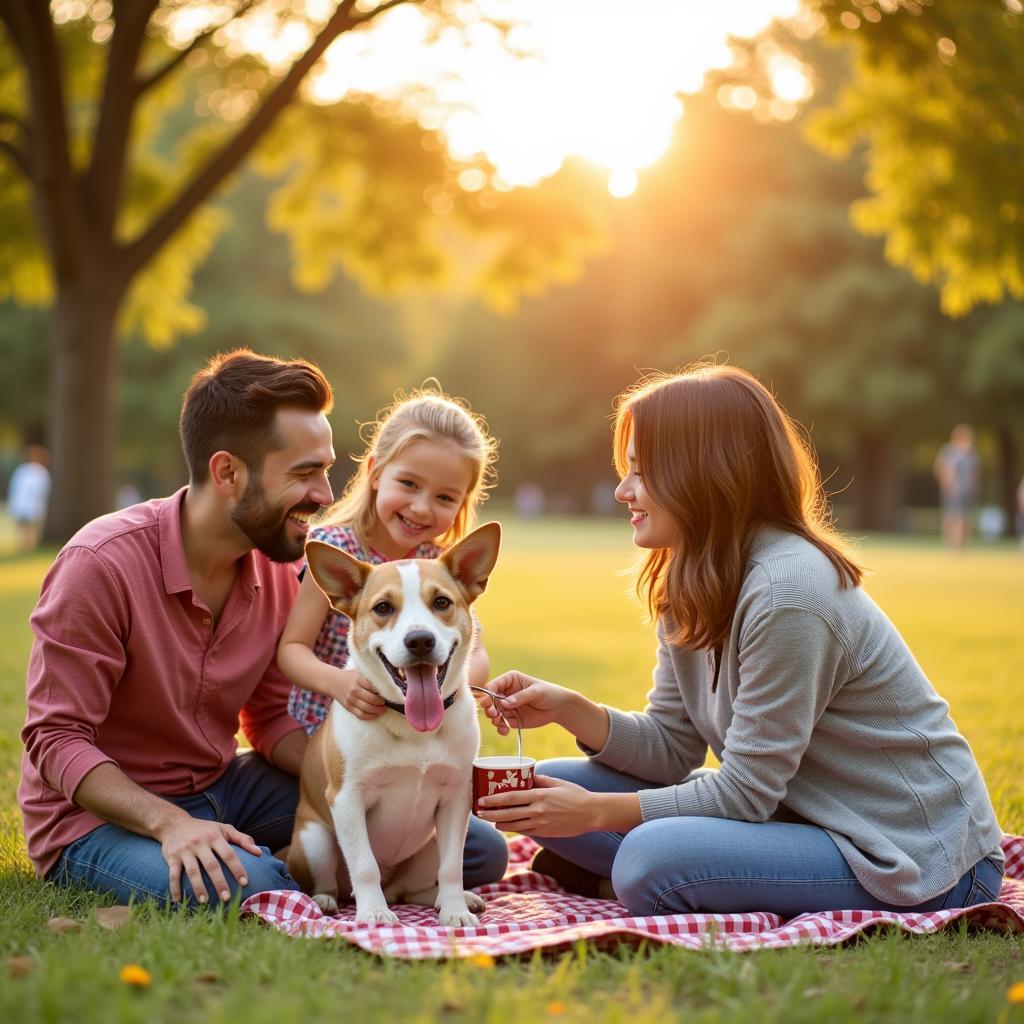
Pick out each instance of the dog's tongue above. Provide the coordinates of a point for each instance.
(423, 706)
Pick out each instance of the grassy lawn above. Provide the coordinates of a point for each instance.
(558, 607)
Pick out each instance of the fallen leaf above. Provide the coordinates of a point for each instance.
(958, 966)
(112, 918)
(20, 966)
(62, 925)
(207, 977)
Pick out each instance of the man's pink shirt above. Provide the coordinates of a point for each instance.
(127, 667)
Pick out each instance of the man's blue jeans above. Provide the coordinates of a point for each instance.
(257, 799)
(691, 865)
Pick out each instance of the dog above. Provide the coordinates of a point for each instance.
(393, 795)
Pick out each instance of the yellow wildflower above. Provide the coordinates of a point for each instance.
(133, 974)
(1015, 993)
(482, 960)
(555, 1008)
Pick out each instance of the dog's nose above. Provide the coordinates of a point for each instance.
(420, 642)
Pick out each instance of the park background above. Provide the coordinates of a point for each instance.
(351, 236)
(834, 203)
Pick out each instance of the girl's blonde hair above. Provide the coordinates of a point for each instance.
(425, 414)
(721, 456)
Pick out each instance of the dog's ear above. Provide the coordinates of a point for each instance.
(471, 560)
(337, 574)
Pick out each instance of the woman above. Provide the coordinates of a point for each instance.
(843, 782)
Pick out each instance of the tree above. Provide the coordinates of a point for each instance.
(106, 215)
(936, 95)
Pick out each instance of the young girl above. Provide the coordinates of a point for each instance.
(427, 467)
(843, 782)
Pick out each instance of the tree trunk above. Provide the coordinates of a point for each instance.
(877, 502)
(1009, 477)
(83, 393)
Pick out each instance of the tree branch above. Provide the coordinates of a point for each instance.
(378, 11)
(6, 117)
(17, 156)
(182, 55)
(103, 180)
(48, 159)
(207, 179)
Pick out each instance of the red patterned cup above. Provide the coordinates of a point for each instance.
(500, 775)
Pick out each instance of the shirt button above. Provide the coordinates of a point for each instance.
(207, 621)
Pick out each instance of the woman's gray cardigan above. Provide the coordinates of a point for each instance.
(819, 709)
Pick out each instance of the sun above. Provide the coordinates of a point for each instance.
(568, 78)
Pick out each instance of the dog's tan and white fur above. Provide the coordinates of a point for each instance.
(393, 794)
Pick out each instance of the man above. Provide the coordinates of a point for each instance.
(155, 632)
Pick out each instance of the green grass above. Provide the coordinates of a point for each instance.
(557, 609)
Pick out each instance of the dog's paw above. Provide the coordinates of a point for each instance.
(457, 917)
(376, 915)
(328, 904)
(476, 903)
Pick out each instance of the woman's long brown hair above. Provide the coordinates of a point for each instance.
(721, 456)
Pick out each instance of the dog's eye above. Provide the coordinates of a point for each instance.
(442, 603)
(383, 609)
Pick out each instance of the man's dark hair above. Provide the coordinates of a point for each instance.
(231, 404)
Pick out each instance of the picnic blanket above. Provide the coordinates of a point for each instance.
(527, 911)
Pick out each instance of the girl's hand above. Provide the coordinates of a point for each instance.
(552, 808)
(354, 693)
(531, 702)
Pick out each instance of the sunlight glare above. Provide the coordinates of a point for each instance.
(622, 183)
(572, 78)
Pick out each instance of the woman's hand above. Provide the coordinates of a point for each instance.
(552, 808)
(531, 702)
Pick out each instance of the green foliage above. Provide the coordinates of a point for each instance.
(354, 197)
(373, 196)
(24, 275)
(937, 97)
(157, 305)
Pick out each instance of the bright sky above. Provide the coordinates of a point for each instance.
(598, 79)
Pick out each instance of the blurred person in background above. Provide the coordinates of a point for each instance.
(128, 494)
(958, 470)
(28, 495)
(1020, 513)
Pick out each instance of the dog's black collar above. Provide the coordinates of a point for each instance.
(400, 708)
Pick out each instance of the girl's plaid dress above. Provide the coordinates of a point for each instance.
(310, 709)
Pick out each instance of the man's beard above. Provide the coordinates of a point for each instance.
(266, 526)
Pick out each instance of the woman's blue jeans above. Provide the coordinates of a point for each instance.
(692, 865)
(257, 799)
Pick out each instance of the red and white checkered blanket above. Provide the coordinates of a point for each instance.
(526, 911)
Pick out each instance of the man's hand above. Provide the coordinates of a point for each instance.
(191, 844)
